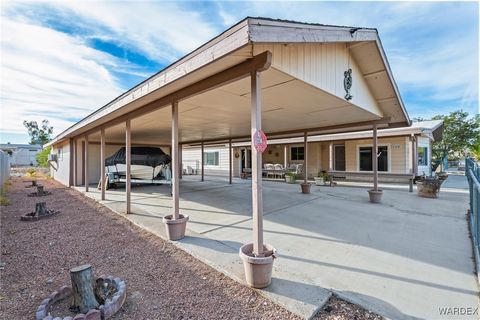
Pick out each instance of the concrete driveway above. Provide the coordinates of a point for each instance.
(407, 258)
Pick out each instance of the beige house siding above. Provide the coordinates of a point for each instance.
(397, 147)
(192, 157)
(323, 66)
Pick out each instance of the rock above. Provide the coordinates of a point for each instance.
(49, 281)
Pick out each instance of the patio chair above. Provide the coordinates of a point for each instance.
(279, 167)
(265, 166)
(269, 166)
(299, 169)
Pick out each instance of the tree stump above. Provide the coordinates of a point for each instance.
(34, 183)
(82, 288)
(40, 190)
(40, 209)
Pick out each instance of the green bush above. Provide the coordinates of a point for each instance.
(42, 157)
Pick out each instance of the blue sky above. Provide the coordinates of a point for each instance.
(61, 60)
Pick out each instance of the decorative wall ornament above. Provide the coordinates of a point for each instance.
(347, 83)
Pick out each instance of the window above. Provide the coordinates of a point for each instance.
(422, 153)
(297, 153)
(211, 158)
(365, 158)
(60, 153)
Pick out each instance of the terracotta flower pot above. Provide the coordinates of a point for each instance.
(305, 187)
(258, 270)
(175, 227)
(375, 196)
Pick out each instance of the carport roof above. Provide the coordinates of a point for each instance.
(227, 50)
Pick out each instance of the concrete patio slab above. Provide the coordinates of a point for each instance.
(404, 258)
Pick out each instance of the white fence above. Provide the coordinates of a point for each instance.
(4, 168)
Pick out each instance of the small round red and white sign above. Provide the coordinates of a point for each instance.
(260, 141)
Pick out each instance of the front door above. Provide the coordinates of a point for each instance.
(339, 158)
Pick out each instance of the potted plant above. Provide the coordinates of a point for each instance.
(442, 176)
(319, 179)
(327, 178)
(175, 227)
(428, 187)
(290, 177)
(258, 269)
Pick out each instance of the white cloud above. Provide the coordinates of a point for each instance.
(48, 74)
(159, 30)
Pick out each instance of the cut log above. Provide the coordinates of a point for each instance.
(40, 209)
(82, 288)
(40, 190)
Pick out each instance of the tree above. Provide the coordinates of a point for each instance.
(38, 135)
(42, 157)
(460, 134)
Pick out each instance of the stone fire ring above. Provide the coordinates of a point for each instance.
(32, 217)
(35, 194)
(104, 311)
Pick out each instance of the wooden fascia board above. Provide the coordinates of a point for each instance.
(260, 62)
(263, 31)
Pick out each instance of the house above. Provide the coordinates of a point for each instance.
(21, 154)
(260, 78)
(346, 155)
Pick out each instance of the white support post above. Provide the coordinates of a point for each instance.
(102, 162)
(128, 158)
(203, 161)
(230, 161)
(86, 163)
(415, 155)
(75, 162)
(180, 161)
(285, 156)
(375, 158)
(175, 162)
(305, 157)
(257, 194)
(330, 156)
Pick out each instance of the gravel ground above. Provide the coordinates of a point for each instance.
(163, 282)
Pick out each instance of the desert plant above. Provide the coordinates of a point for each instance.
(42, 157)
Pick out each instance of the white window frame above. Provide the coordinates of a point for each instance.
(60, 154)
(389, 155)
(290, 153)
(211, 165)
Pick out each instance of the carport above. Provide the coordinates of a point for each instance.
(283, 78)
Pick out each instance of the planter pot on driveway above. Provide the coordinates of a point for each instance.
(175, 228)
(305, 187)
(429, 188)
(319, 181)
(290, 179)
(258, 270)
(375, 196)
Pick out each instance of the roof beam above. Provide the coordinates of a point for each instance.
(383, 121)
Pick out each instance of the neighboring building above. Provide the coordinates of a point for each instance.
(344, 154)
(21, 154)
